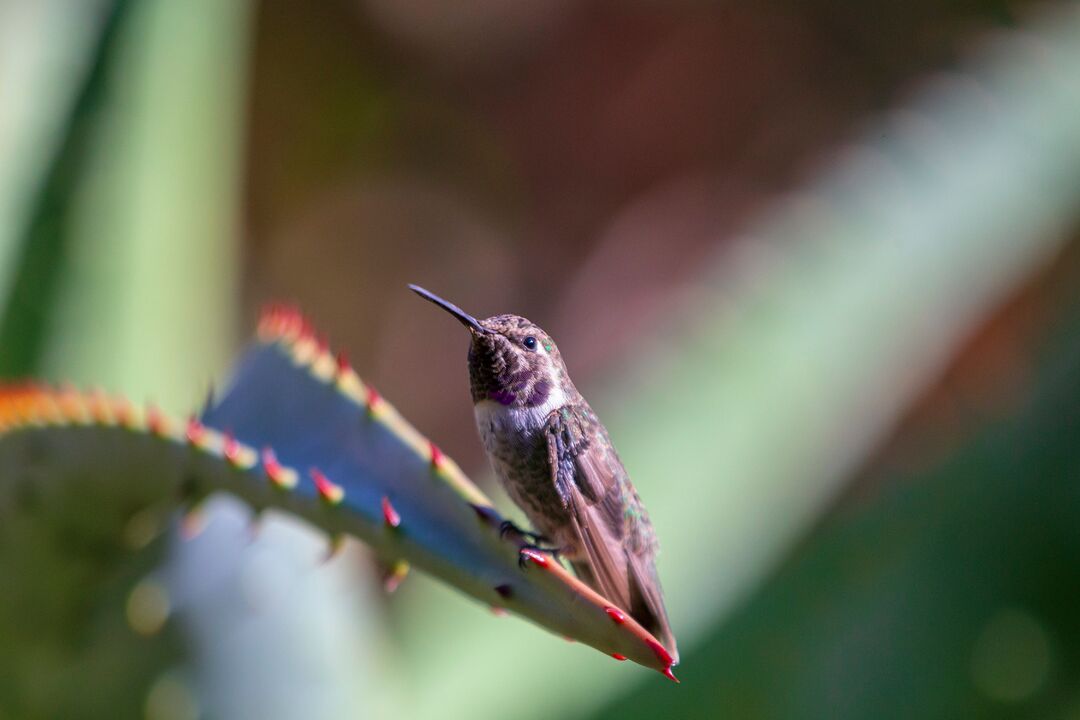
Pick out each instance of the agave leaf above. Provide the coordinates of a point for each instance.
(300, 432)
(67, 538)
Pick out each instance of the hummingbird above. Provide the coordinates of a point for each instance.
(556, 461)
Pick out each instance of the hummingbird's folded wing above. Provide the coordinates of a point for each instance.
(618, 561)
(592, 499)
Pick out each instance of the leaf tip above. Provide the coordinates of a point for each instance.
(660, 651)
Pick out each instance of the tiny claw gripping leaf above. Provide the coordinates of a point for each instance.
(534, 556)
(372, 476)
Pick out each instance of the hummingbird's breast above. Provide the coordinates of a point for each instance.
(516, 444)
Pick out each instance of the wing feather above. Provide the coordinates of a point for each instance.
(616, 562)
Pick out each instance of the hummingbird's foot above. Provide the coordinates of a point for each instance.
(507, 527)
(554, 552)
(536, 542)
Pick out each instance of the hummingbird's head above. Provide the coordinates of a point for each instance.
(512, 361)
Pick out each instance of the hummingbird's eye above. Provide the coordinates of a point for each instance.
(530, 343)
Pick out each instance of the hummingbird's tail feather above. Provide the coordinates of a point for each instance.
(625, 576)
(647, 601)
(646, 598)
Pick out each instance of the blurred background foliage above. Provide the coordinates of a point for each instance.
(815, 264)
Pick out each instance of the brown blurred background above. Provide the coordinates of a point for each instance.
(575, 162)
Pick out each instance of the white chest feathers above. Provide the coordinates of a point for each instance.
(497, 423)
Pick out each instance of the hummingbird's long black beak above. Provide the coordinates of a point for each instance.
(466, 319)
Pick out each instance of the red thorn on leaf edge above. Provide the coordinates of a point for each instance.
(287, 321)
(98, 405)
(618, 657)
(343, 365)
(329, 491)
(437, 456)
(395, 575)
(230, 448)
(155, 421)
(670, 675)
(615, 614)
(271, 464)
(373, 398)
(278, 475)
(123, 412)
(389, 514)
(498, 611)
(660, 651)
(334, 547)
(537, 557)
(196, 431)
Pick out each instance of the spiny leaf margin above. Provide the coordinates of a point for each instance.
(200, 459)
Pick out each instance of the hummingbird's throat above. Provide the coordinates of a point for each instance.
(499, 374)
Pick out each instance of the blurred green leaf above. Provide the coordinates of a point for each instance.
(952, 595)
(128, 278)
(148, 307)
(42, 255)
